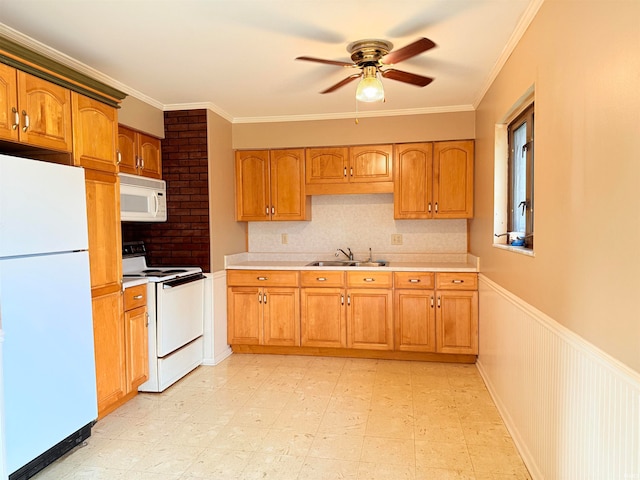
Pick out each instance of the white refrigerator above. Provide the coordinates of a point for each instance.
(48, 365)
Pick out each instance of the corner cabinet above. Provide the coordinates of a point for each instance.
(434, 180)
(139, 153)
(270, 186)
(34, 111)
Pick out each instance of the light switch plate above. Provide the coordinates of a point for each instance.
(285, 238)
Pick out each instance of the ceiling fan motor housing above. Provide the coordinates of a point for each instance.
(368, 52)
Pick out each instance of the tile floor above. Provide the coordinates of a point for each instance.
(304, 418)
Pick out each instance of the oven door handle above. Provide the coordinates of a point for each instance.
(183, 280)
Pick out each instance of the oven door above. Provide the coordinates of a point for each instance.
(180, 314)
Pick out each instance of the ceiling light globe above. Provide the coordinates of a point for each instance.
(370, 89)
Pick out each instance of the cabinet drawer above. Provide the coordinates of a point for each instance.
(135, 297)
(267, 278)
(422, 280)
(322, 278)
(456, 281)
(369, 279)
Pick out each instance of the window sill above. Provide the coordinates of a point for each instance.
(521, 250)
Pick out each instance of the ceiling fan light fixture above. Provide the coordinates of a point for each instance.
(370, 88)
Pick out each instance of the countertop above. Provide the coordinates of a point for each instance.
(396, 262)
(132, 282)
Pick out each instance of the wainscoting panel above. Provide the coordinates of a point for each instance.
(573, 411)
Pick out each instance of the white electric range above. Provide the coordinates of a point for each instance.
(175, 303)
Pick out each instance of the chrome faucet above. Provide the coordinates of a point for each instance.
(348, 255)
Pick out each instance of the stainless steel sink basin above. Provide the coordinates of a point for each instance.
(371, 264)
(337, 263)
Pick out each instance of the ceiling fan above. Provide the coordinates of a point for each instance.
(374, 57)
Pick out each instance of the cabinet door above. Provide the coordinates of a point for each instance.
(281, 316)
(288, 200)
(371, 164)
(326, 165)
(453, 179)
(103, 219)
(137, 342)
(252, 185)
(415, 323)
(457, 322)
(244, 316)
(127, 149)
(9, 114)
(150, 156)
(369, 319)
(323, 319)
(109, 342)
(45, 111)
(412, 188)
(91, 120)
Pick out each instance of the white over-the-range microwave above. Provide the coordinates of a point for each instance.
(142, 199)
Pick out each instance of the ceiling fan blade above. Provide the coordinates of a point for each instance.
(406, 77)
(342, 83)
(408, 51)
(328, 62)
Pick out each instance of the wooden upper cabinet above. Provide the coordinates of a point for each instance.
(327, 165)
(434, 180)
(45, 113)
(127, 151)
(9, 113)
(270, 185)
(34, 111)
(140, 154)
(253, 197)
(343, 170)
(371, 164)
(92, 120)
(453, 179)
(413, 192)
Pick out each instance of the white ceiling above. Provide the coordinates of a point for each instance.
(236, 57)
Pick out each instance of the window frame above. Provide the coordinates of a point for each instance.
(526, 117)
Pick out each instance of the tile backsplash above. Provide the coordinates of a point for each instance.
(358, 222)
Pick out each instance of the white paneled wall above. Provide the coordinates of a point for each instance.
(358, 222)
(573, 411)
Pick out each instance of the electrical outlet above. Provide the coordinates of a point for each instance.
(285, 238)
(396, 239)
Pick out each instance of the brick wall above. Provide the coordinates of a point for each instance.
(184, 238)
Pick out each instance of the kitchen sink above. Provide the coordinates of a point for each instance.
(346, 263)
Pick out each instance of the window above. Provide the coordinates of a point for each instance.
(520, 172)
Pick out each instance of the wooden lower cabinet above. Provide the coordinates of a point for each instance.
(136, 327)
(369, 310)
(404, 315)
(323, 318)
(457, 322)
(369, 319)
(110, 354)
(263, 308)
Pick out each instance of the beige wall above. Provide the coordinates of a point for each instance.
(227, 235)
(141, 116)
(409, 128)
(583, 59)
